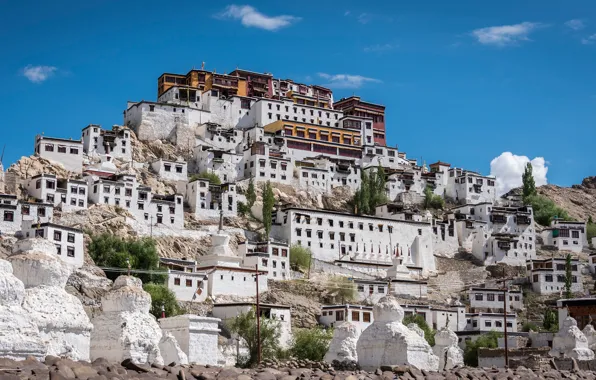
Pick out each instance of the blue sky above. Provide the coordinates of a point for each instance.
(463, 81)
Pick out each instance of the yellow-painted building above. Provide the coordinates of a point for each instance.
(203, 81)
(318, 138)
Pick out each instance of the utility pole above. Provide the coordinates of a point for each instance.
(220, 219)
(309, 263)
(258, 316)
(505, 319)
(151, 226)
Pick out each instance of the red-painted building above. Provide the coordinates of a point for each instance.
(257, 84)
(354, 106)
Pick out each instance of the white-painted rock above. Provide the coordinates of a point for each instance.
(446, 348)
(343, 344)
(570, 341)
(19, 336)
(125, 329)
(59, 316)
(590, 334)
(387, 341)
(414, 327)
(171, 351)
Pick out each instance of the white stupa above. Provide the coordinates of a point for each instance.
(343, 344)
(571, 342)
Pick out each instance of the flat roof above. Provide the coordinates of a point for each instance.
(231, 304)
(288, 208)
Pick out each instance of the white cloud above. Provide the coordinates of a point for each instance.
(346, 13)
(38, 74)
(508, 168)
(505, 34)
(346, 80)
(250, 17)
(589, 40)
(575, 24)
(379, 48)
(364, 18)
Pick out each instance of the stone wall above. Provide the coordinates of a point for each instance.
(489, 357)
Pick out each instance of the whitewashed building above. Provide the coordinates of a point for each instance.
(324, 173)
(493, 299)
(333, 315)
(566, 235)
(68, 241)
(263, 163)
(486, 322)
(272, 257)
(13, 212)
(335, 236)
(67, 152)
(183, 279)
(464, 186)
(170, 170)
(205, 199)
(68, 194)
(226, 164)
(115, 142)
(547, 276)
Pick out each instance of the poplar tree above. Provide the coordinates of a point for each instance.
(529, 186)
(268, 203)
(251, 195)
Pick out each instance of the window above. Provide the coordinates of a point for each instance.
(478, 297)
(167, 167)
(548, 278)
(70, 251)
(74, 151)
(49, 147)
(61, 149)
(490, 297)
(57, 235)
(58, 249)
(71, 238)
(177, 281)
(8, 216)
(355, 316)
(498, 324)
(365, 316)
(25, 210)
(381, 289)
(189, 283)
(81, 203)
(487, 324)
(575, 234)
(339, 315)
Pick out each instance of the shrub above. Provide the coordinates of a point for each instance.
(245, 326)
(311, 344)
(530, 326)
(432, 200)
(251, 194)
(341, 289)
(212, 177)
(429, 334)
(488, 340)
(371, 193)
(243, 208)
(545, 210)
(113, 252)
(550, 321)
(162, 296)
(300, 258)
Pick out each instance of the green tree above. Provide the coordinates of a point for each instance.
(268, 203)
(300, 258)
(568, 276)
(245, 326)
(251, 194)
(162, 296)
(432, 200)
(488, 340)
(429, 334)
(110, 251)
(212, 177)
(529, 186)
(311, 343)
(545, 210)
(529, 326)
(590, 221)
(550, 320)
(341, 289)
(590, 230)
(371, 193)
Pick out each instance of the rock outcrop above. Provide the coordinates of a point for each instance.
(125, 329)
(446, 348)
(59, 316)
(387, 341)
(343, 344)
(19, 336)
(571, 342)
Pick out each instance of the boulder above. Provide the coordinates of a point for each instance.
(388, 342)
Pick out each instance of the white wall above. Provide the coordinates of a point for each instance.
(170, 170)
(197, 336)
(235, 282)
(189, 287)
(68, 153)
(68, 241)
(332, 315)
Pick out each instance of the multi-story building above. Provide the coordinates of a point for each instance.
(547, 276)
(325, 173)
(170, 170)
(485, 322)
(227, 165)
(67, 152)
(273, 257)
(187, 284)
(493, 299)
(68, 241)
(205, 199)
(565, 235)
(68, 194)
(263, 163)
(115, 142)
(333, 315)
(336, 236)
(257, 84)
(464, 186)
(353, 106)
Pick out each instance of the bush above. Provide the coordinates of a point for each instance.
(311, 344)
(161, 295)
(245, 326)
(545, 210)
(371, 193)
(529, 326)
(488, 340)
(429, 334)
(550, 320)
(212, 177)
(341, 289)
(591, 232)
(300, 258)
(112, 252)
(432, 200)
(243, 208)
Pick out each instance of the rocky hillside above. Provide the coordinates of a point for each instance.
(578, 200)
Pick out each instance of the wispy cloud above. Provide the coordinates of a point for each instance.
(379, 48)
(38, 73)
(250, 17)
(575, 24)
(364, 18)
(589, 40)
(346, 13)
(505, 35)
(346, 80)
